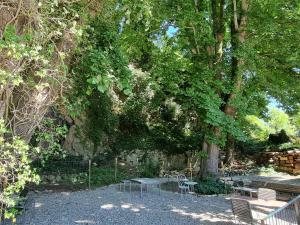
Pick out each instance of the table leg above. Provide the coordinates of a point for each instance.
(159, 187)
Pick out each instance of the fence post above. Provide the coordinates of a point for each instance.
(90, 163)
(116, 167)
(296, 205)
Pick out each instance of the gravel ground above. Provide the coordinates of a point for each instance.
(109, 206)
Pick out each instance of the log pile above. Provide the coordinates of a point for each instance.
(288, 161)
(268, 158)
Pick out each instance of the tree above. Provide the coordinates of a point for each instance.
(217, 43)
(279, 120)
(37, 40)
(276, 124)
(296, 120)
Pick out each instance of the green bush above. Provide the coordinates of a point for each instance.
(101, 176)
(151, 169)
(211, 186)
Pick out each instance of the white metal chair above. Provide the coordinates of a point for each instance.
(266, 194)
(242, 212)
(182, 187)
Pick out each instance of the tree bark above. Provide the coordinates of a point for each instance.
(203, 162)
(230, 146)
(238, 36)
(210, 164)
(213, 159)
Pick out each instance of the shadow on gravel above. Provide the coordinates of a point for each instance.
(109, 206)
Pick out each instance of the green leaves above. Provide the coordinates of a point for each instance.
(101, 83)
(277, 120)
(15, 167)
(100, 65)
(49, 137)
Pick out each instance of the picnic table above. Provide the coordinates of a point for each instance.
(147, 182)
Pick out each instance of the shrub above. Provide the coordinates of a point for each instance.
(150, 169)
(101, 176)
(210, 186)
(15, 170)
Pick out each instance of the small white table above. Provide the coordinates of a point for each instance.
(146, 182)
(191, 185)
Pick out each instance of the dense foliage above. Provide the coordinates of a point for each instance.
(214, 59)
(211, 186)
(174, 76)
(15, 159)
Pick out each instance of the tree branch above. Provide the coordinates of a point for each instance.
(17, 13)
(235, 20)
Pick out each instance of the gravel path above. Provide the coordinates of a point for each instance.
(109, 206)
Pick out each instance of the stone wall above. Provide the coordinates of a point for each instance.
(77, 145)
(178, 162)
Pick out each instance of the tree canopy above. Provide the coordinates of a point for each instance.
(173, 75)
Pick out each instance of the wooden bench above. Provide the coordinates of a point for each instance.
(251, 191)
(281, 189)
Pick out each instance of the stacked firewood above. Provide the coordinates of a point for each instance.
(288, 161)
(268, 158)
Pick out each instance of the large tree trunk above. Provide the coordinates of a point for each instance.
(238, 35)
(203, 163)
(230, 146)
(210, 164)
(213, 159)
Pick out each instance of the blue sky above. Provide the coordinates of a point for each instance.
(172, 31)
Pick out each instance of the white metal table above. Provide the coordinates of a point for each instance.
(191, 185)
(124, 183)
(146, 182)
